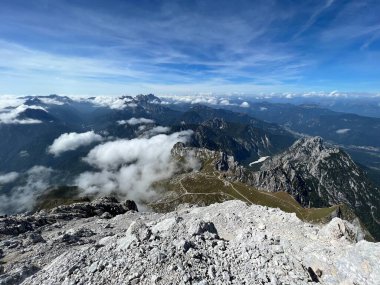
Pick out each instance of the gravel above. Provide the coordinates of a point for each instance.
(227, 243)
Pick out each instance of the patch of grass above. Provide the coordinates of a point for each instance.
(202, 184)
(285, 202)
(63, 195)
(209, 186)
(208, 166)
(193, 199)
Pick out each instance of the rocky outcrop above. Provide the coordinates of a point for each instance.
(310, 167)
(105, 207)
(228, 243)
(222, 163)
(318, 175)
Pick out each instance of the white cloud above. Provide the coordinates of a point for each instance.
(8, 177)
(132, 105)
(23, 153)
(334, 93)
(135, 121)
(10, 115)
(342, 131)
(130, 167)
(50, 101)
(117, 103)
(10, 101)
(156, 130)
(23, 197)
(261, 159)
(289, 96)
(201, 98)
(225, 102)
(244, 104)
(72, 141)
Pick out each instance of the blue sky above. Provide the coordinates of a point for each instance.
(168, 47)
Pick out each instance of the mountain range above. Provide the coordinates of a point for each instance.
(77, 141)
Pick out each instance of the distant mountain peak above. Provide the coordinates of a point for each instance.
(36, 114)
(319, 175)
(32, 101)
(52, 99)
(148, 98)
(314, 145)
(312, 141)
(218, 123)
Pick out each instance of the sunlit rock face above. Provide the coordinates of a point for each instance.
(227, 243)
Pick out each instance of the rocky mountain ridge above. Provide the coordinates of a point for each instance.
(228, 243)
(314, 173)
(317, 174)
(244, 137)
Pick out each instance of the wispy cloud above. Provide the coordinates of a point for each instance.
(24, 60)
(151, 48)
(313, 18)
(23, 197)
(166, 46)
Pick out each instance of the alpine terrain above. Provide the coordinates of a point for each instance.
(211, 195)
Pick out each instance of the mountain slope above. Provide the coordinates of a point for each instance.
(319, 175)
(211, 183)
(359, 135)
(341, 128)
(246, 140)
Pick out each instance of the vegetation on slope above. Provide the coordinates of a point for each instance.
(208, 186)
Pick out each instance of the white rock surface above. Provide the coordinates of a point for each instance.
(228, 243)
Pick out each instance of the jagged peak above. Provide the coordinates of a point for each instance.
(218, 123)
(310, 142)
(314, 145)
(126, 97)
(148, 98)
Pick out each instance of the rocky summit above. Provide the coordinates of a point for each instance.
(318, 174)
(107, 242)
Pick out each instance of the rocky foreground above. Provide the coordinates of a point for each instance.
(106, 242)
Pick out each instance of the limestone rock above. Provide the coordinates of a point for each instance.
(227, 243)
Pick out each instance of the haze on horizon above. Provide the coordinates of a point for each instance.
(178, 47)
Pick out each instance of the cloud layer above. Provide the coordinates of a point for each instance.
(112, 102)
(23, 197)
(11, 115)
(156, 130)
(130, 167)
(72, 141)
(8, 177)
(135, 121)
